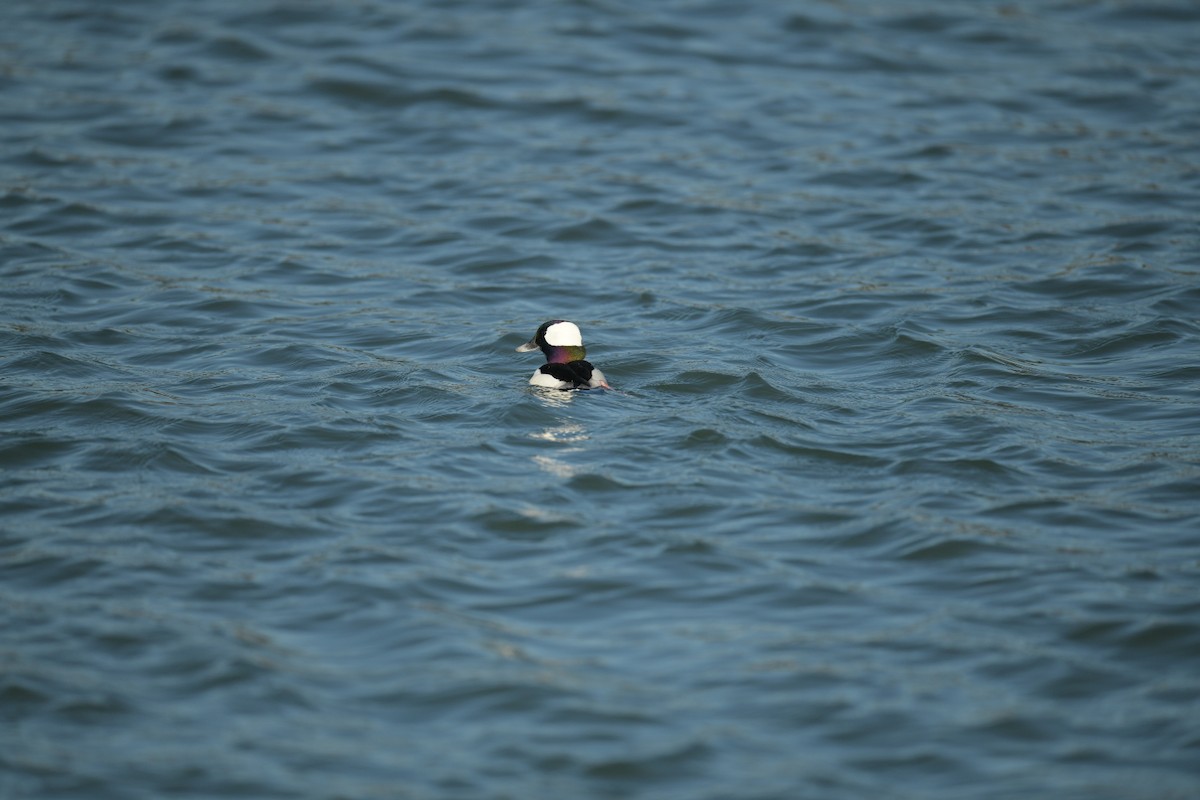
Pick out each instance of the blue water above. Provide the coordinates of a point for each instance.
(898, 497)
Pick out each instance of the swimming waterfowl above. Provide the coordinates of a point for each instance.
(565, 367)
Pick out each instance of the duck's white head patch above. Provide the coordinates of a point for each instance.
(564, 334)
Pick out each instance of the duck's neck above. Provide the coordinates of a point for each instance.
(563, 354)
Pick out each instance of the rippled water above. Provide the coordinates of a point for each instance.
(899, 497)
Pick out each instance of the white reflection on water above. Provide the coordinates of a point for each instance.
(554, 398)
(568, 434)
(571, 432)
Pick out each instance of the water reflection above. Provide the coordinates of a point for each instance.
(571, 434)
(554, 398)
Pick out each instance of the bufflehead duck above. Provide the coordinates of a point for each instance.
(564, 368)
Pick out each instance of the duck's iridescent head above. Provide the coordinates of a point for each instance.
(560, 340)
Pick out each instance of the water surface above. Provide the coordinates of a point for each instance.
(899, 496)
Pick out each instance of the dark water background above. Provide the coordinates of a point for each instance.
(901, 498)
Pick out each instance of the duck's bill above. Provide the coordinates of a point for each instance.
(525, 348)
